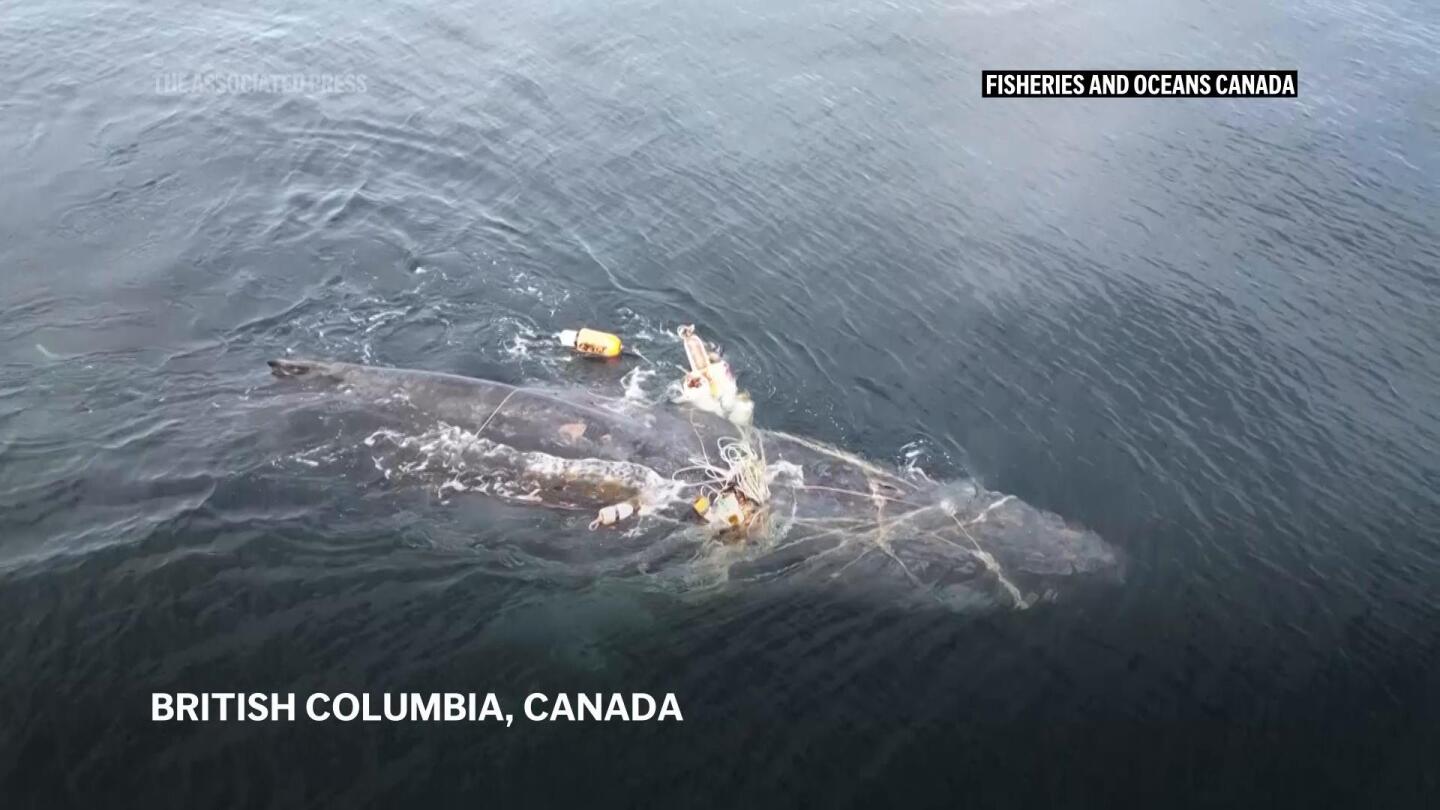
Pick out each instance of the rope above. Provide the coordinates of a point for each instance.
(488, 419)
(989, 561)
(871, 496)
(744, 468)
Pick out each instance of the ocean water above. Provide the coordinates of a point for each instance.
(1209, 330)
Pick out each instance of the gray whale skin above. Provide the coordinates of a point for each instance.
(833, 517)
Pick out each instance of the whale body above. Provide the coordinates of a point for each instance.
(833, 518)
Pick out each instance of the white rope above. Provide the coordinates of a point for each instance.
(870, 468)
(870, 496)
(486, 423)
(743, 467)
(985, 557)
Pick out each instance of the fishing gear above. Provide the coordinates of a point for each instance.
(613, 514)
(710, 384)
(592, 342)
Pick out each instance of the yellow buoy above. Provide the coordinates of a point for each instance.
(592, 342)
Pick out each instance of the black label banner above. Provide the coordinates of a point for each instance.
(1139, 83)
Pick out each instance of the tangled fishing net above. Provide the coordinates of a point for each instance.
(742, 466)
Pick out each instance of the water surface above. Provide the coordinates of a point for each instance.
(1204, 329)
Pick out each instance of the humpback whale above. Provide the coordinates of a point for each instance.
(831, 517)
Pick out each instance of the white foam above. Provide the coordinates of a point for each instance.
(913, 454)
(634, 383)
(518, 347)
